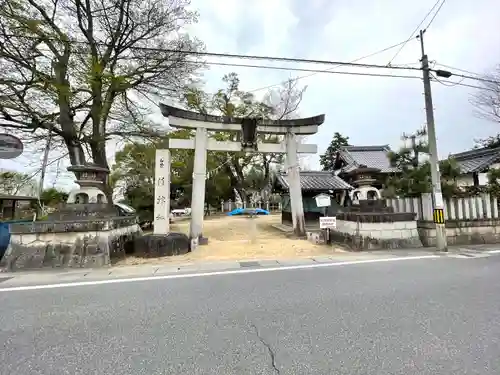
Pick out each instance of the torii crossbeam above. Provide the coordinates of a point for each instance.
(249, 128)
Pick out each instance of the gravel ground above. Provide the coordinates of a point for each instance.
(238, 238)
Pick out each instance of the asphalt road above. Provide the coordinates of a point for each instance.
(432, 316)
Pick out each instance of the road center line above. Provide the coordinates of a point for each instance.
(215, 273)
(494, 252)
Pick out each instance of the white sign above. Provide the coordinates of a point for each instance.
(328, 222)
(438, 200)
(323, 200)
(162, 192)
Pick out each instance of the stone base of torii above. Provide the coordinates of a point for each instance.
(201, 143)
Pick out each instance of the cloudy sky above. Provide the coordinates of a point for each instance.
(370, 110)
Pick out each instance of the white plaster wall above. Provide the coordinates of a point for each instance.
(467, 180)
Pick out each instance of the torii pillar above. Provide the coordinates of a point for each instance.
(249, 128)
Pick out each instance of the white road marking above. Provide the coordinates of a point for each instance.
(494, 252)
(202, 274)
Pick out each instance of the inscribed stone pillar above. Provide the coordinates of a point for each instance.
(294, 182)
(162, 192)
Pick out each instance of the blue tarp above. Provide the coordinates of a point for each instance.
(248, 211)
(5, 234)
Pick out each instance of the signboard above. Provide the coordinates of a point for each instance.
(438, 200)
(328, 222)
(323, 200)
(10, 147)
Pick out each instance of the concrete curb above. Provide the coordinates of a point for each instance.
(50, 276)
(23, 278)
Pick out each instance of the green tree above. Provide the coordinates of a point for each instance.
(16, 183)
(414, 177)
(133, 176)
(493, 182)
(327, 160)
(53, 197)
(82, 69)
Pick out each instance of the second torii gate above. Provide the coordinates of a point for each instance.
(249, 127)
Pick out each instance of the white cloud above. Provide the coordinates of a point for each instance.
(369, 110)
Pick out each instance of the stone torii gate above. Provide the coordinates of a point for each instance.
(249, 128)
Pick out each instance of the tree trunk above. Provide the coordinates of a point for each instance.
(98, 151)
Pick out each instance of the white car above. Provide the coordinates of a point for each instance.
(181, 212)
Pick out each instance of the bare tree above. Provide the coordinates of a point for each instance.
(487, 99)
(284, 101)
(80, 69)
(279, 103)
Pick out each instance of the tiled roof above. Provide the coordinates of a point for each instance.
(371, 156)
(316, 180)
(476, 160)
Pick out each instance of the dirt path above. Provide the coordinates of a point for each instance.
(235, 238)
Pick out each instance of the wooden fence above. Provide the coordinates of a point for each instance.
(483, 206)
(228, 206)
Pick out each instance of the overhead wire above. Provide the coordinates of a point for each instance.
(460, 83)
(449, 84)
(332, 68)
(464, 76)
(412, 35)
(477, 78)
(299, 60)
(238, 56)
(315, 71)
(401, 44)
(435, 15)
(458, 69)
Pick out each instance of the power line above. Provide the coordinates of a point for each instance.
(459, 83)
(460, 70)
(449, 84)
(315, 71)
(330, 69)
(286, 59)
(435, 14)
(236, 56)
(477, 78)
(468, 77)
(297, 60)
(412, 35)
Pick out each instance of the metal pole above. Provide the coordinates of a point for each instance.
(438, 205)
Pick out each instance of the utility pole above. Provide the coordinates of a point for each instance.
(438, 205)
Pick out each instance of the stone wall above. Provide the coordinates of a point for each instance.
(70, 244)
(462, 232)
(372, 231)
